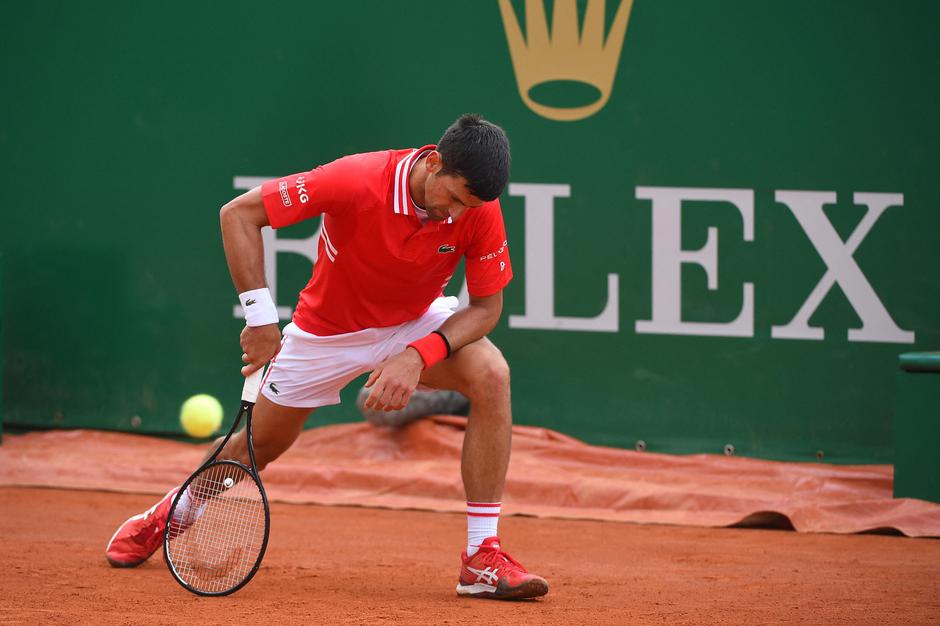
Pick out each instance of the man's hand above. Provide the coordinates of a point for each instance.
(259, 344)
(394, 380)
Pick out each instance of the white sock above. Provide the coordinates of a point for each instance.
(183, 506)
(482, 521)
(188, 508)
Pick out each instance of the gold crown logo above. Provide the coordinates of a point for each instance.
(566, 54)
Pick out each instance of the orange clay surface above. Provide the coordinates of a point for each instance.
(346, 565)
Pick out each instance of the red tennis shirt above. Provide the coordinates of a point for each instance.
(377, 264)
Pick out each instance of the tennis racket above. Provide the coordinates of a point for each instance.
(219, 521)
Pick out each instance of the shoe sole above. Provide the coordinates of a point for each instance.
(530, 589)
(123, 564)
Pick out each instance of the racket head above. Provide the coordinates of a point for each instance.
(214, 543)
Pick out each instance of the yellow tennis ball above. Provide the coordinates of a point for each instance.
(201, 415)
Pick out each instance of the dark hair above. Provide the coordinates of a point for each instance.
(479, 151)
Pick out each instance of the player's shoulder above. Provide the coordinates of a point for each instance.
(364, 163)
(360, 176)
(371, 167)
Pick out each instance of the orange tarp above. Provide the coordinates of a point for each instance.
(550, 475)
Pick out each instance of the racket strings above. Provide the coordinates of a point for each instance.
(216, 534)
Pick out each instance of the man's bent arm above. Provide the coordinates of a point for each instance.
(242, 220)
(474, 322)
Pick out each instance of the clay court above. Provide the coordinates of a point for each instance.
(372, 566)
(392, 558)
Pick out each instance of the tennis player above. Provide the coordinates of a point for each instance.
(395, 225)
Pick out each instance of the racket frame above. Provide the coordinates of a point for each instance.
(249, 395)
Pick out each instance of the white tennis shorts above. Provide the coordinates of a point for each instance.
(310, 371)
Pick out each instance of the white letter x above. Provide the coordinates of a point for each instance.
(877, 325)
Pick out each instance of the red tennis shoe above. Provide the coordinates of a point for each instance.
(492, 573)
(141, 535)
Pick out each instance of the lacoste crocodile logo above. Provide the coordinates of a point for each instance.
(446, 248)
(249, 302)
(273, 388)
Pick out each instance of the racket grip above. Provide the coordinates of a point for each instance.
(252, 386)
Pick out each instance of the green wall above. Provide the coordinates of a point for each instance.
(123, 130)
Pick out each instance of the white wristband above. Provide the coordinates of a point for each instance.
(258, 307)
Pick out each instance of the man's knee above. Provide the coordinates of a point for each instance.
(489, 374)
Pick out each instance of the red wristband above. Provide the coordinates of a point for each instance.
(432, 348)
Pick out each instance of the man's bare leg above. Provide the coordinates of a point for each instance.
(480, 372)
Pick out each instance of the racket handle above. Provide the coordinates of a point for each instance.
(252, 386)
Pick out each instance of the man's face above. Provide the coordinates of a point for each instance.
(446, 195)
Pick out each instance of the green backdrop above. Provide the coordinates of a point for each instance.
(124, 128)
